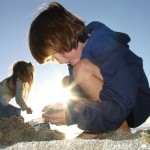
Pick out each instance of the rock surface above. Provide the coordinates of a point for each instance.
(14, 130)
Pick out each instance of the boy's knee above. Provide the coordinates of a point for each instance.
(82, 69)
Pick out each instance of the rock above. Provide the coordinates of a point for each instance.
(1, 135)
(14, 130)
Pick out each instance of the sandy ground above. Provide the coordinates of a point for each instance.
(108, 141)
(82, 144)
(112, 141)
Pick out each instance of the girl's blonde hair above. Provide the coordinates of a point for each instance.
(25, 72)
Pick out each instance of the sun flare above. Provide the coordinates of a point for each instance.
(49, 92)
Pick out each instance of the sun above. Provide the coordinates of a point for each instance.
(49, 92)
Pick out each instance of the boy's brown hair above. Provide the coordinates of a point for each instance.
(54, 30)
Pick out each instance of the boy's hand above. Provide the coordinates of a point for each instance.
(55, 114)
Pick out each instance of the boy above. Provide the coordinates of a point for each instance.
(100, 62)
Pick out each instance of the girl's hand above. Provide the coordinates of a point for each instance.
(55, 114)
(29, 110)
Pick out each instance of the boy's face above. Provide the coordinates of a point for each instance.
(71, 57)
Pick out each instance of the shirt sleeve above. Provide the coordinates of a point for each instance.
(117, 98)
(19, 95)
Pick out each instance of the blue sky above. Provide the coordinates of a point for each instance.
(129, 16)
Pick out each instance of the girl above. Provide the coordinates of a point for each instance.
(17, 86)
